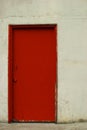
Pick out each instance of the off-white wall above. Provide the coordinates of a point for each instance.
(71, 19)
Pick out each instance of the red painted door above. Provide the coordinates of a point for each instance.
(34, 73)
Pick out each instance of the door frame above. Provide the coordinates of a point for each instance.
(10, 65)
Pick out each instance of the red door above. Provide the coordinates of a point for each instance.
(32, 73)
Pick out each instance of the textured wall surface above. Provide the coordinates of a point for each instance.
(71, 19)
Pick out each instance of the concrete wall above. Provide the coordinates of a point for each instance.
(71, 19)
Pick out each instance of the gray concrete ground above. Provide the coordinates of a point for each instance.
(39, 126)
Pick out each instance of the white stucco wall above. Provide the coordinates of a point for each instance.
(71, 19)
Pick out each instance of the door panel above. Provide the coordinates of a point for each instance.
(34, 74)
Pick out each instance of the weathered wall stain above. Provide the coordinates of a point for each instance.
(75, 62)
